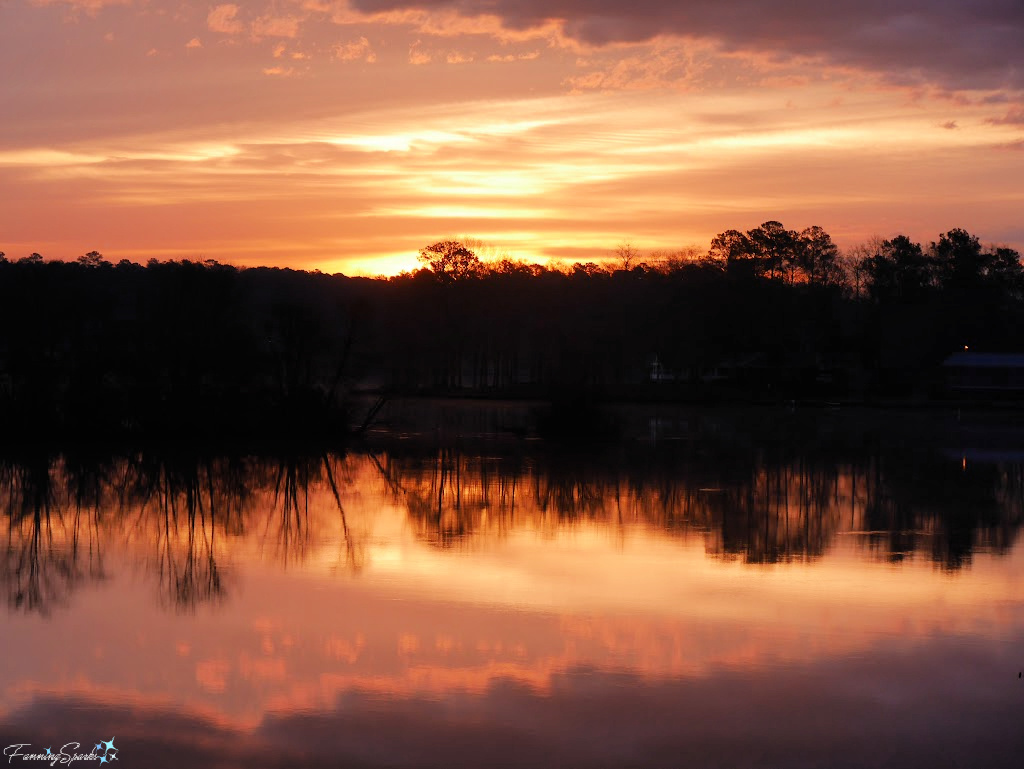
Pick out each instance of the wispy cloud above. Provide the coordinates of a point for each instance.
(1014, 117)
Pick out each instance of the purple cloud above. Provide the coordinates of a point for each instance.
(953, 44)
(1015, 116)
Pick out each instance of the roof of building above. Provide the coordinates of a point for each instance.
(985, 360)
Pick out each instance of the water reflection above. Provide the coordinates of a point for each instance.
(52, 540)
(180, 513)
(701, 598)
(758, 508)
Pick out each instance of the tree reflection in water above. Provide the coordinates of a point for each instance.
(180, 515)
(181, 501)
(290, 529)
(760, 506)
(52, 541)
(173, 511)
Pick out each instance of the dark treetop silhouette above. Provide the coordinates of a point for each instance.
(197, 349)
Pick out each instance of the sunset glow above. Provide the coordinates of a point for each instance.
(527, 603)
(345, 135)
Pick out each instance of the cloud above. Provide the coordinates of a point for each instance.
(275, 26)
(951, 44)
(195, 42)
(430, 19)
(528, 56)
(224, 19)
(358, 50)
(659, 66)
(1013, 117)
(92, 7)
(417, 56)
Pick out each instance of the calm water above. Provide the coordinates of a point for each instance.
(762, 590)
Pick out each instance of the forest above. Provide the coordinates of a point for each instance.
(195, 349)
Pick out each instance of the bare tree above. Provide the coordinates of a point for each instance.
(627, 255)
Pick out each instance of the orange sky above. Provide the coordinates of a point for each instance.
(345, 135)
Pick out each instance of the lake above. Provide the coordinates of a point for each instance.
(704, 588)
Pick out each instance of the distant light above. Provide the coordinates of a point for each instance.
(966, 348)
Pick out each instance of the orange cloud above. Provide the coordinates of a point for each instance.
(275, 26)
(665, 64)
(358, 50)
(514, 56)
(440, 22)
(417, 56)
(224, 19)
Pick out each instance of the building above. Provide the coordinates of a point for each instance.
(986, 374)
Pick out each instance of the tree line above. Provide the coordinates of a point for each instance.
(198, 347)
(764, 314)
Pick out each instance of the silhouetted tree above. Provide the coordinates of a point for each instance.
(590, 269)
(965, 269)
(817, 257)
(450, 260)
(510, 267)
(734, 250)
(898, 271)
(93, 259)
(775, 249)
(627, 255)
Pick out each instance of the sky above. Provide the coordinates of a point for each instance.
(345, 135)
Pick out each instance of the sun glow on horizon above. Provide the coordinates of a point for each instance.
(422, 121)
